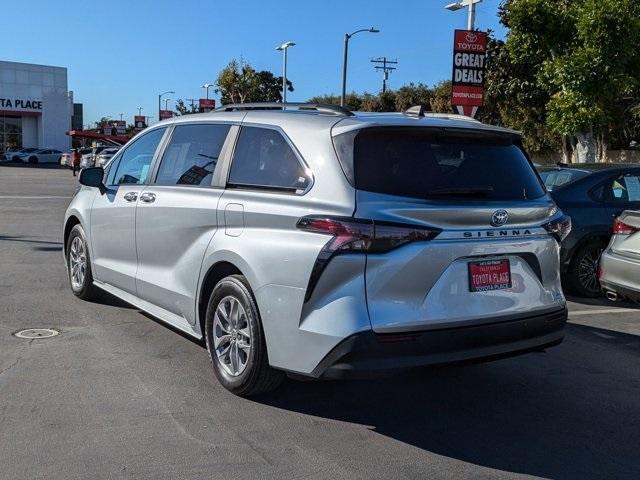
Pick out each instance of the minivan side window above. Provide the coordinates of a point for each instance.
(134, 163)
(192, 154)
(264, 159)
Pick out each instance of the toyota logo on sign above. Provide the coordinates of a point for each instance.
(499, 218)
(471, 37)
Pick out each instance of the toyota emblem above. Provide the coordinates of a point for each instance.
(499, 218)
(471, 37)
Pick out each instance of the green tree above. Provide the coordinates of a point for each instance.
(411, 95)
(184, 109)
(583, 55)
(441, 97)
(239, 82)
(514, 99)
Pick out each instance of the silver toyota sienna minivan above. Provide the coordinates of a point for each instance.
(320, 242)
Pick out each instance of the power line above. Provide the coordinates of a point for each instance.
(384, 65)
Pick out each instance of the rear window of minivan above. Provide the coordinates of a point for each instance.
(437, 164)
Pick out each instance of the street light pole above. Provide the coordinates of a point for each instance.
(206, 87)
(471, 13)
(284, 47)
(347, 36)
(139, 111)
(160, 102)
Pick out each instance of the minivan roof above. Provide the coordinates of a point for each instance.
(339, 121)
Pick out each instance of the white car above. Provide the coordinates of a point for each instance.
(103, 157)
(88, 159)
(42, 155)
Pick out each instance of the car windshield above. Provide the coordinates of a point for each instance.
(436, 164)
(555, 179)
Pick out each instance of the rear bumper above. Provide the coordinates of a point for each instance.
(368, 352)
(620, 275)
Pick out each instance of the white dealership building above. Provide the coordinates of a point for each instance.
(35, 106)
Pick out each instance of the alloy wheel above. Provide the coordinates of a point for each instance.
(588, 269)
(231, 336)
(77, 262)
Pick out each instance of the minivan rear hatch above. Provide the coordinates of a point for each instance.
(477, 188)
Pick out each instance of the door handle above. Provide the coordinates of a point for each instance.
(131, 196)
(148, 197)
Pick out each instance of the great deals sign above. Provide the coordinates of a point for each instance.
(467, 82)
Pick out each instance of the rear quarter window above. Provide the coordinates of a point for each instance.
(437, 164)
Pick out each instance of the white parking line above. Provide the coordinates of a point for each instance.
(603, 311)
(38, 197)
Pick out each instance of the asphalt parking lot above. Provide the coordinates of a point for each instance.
(120, 395)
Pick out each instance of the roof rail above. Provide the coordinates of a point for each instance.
(318, 107)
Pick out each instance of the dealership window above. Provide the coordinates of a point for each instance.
(10, 133)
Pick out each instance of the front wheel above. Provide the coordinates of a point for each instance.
(235, 340)
(582, 276)
(33, 160)
(79, 266)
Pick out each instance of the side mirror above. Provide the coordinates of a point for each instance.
(92, 177)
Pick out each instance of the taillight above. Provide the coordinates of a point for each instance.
(622, 228)
(560, 228)
(351, 235)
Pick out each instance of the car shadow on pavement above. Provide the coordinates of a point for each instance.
(572, 412)
(601, 302)
(13, 238)
(44, 166)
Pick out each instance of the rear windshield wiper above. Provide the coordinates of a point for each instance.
(461, 192)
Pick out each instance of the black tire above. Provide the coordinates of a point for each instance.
(86, 290)
(582, 276)
(33, 160)
(257, 377)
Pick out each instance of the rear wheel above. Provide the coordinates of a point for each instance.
(33, 159)
(582, 276)
(235, 341)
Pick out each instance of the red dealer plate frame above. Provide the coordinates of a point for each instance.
(489, 275)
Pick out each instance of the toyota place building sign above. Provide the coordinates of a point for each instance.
(467, 82)
(21, 104)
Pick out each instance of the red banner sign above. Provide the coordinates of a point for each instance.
(206, 104)
(467, 81)
(164, 114)
(140, 122)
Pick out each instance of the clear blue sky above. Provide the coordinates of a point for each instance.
(121, 54)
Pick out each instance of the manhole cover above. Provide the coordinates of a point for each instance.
(31, 333)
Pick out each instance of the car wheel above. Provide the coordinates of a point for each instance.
(79, 265)
(582, 276)
(235, 340)
(33, 159)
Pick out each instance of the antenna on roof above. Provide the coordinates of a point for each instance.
(416, 111)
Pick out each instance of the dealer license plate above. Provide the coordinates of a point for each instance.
(489, 275)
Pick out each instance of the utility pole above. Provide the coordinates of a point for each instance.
(382, 64)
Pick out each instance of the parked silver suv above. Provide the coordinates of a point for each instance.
(320, 242)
